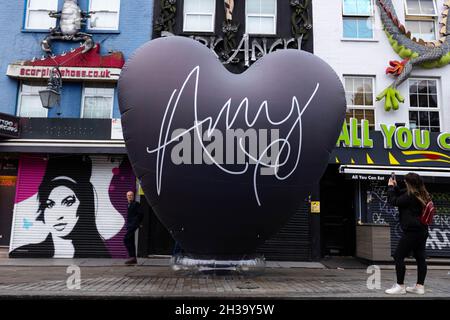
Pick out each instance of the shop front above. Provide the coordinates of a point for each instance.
(8, 178)
(367, 160)
(70, 206)
(9, 128)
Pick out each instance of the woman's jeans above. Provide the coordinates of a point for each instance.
(415, 242)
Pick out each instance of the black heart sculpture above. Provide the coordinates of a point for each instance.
(172, 90)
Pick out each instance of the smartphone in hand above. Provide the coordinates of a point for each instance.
(392, 180)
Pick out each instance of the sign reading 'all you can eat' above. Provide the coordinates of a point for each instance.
(357, 135)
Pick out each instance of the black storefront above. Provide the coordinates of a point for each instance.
(9, 128)
(363, 173)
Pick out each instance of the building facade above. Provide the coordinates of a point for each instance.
(369, 43)
(239, 33)
(64, 171)
(71, 158)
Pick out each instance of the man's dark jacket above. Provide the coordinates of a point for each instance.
(135, 215)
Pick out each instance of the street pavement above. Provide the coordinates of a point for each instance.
(154, 279)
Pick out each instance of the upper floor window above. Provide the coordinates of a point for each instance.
(37, 17)
(106, 16)
(359, 92)
(357, 16)
(423, 103)
(29, 103)
(261, 16)
(98, 101)
(199, 15)
(421, 19)
(420, 7)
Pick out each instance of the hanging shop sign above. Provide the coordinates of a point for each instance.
(226, 159)
(9, 126)
(392, 145)
(74, 65)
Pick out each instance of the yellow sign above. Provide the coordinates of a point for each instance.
(8, 181)
(315, 206)
(141, 192)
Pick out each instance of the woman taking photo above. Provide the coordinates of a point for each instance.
(410, 203)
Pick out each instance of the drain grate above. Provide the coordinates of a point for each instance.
(248, 286)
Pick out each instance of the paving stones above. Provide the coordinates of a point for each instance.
(157, 282)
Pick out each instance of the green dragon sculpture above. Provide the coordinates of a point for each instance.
(414, 52)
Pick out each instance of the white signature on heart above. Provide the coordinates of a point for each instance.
(165, 130)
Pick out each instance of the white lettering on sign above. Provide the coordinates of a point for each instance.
(367, 177)
(39, 72)
(295, 115)
(7, 125)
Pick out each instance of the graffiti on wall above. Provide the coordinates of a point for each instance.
(70, 207)
(381, 212)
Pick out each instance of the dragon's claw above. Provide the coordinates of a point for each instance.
(392, 97)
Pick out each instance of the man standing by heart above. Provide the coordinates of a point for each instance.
(134, 220)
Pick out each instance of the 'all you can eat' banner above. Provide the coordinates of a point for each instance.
(392, 145)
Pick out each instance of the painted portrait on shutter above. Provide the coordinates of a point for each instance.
(77, 210)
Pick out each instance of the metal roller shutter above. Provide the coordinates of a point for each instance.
(71, 206)
(438, 243)
(292, 242)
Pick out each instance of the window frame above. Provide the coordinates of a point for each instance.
(274, 16)
(96, 29)
(438, 109)
(83, 96)
(213, 19)
(27, 15)
(435, 35)
(423, 17)
(408, 14)
(370, 17)
(19, 99)
(362, 107)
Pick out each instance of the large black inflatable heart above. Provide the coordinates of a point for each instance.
(226, 209)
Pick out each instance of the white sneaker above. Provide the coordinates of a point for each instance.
(396, 289)
(416, 289)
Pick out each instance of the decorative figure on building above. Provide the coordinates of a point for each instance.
(167, 17)
(414, 52)
(300, 19)
(71, 18)
(249, 48)
(229, 30)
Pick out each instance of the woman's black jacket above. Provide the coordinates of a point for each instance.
(409, 207)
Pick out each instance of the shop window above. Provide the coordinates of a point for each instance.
(98, 101)
(29, 102)
(359, 92)
(261, 16)
(36, 16)
(423, 104)
(106, 16)
(357, 16)
(421, 19)
(199, 15)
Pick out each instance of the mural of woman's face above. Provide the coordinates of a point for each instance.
(61, 211)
